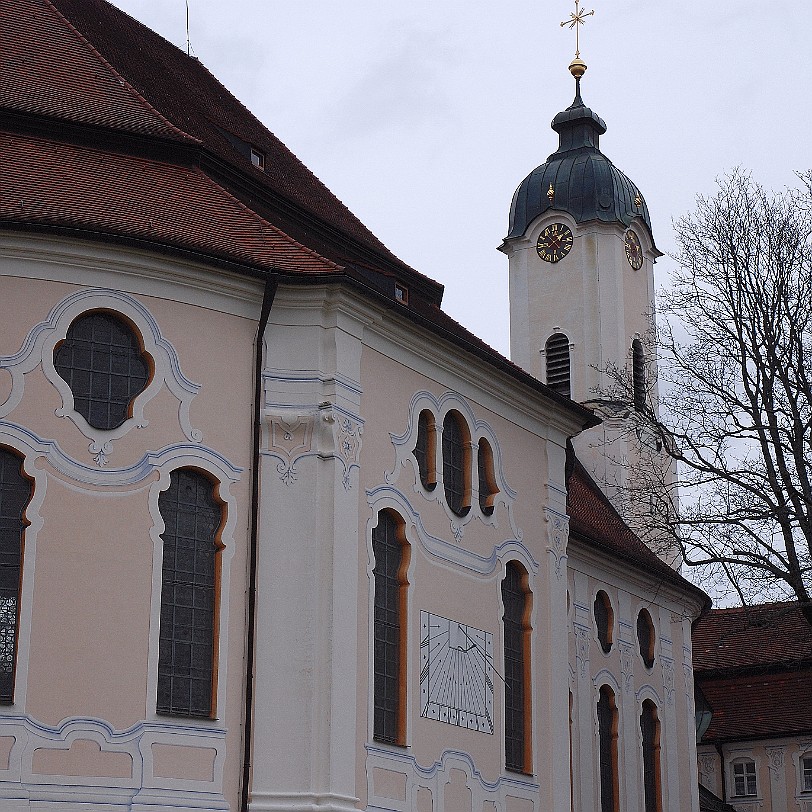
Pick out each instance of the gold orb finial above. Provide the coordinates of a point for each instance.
(577, 67)
(550, 193)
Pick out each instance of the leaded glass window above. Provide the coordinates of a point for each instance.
(189, 600)
(557, 352)
(516, 600)
(604, 621)
(104, 366)
(389, 630)
(455, 464)
(607, 734)
(15, 494)
(424, 450)
(650, 730)
(645, 637)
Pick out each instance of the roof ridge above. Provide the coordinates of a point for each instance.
(121, 79)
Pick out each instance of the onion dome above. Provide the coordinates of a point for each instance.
(577, 178)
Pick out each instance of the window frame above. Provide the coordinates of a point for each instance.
(517, 636)
(604, 623)
(745, 770)
(425, 449)
(25, 483)
(556, 356)
(647, 647)
(75, 345)
(651, 744)
(166, 670)
(805, 764)
(398, 579)
(486, 477)
(456, 463)
(608, 730)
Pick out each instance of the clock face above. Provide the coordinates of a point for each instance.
(634, 253)
(554, 242)
(456, 673)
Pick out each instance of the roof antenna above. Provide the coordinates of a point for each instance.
(188, 43)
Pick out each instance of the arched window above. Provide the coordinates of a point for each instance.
(487, 479)
(102, 362)
(645, 637)
(189, 600)
(638, 375)
(15, 494)
(456, 464)
(424, 449)
(607, 735)
(744, 777)
(557, 352)
(650, 730)
(516, 598)
(391, 552)
(604, 620)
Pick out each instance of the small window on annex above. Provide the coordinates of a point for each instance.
(456, 463)
(103, 363)
(15, 494)
(189, 600)
(487, 479)
(604, 620)
(425, 449)
(557, 352)
(806, 773)
(638, 375)
(646, 637)
(744, 777)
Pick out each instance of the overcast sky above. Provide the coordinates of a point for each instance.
(424, 116)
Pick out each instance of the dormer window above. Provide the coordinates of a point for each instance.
(258, 158)
(401, 293)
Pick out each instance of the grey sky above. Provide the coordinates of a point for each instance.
(423, 117)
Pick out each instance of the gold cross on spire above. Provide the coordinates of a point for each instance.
(577, 18)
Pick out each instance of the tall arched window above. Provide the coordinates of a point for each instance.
(650, 730)
(15, 494)
(516, 598)
(189, 600)
(487, 479)
(456, 463)
(424, 449)
(638, 374)
(391, 552)
(646, 637)
(557, 352)
(607, 734)
(102, 362)
(604, 620)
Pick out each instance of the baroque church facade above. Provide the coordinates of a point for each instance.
(277, 533)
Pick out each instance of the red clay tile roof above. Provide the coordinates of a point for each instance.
(759, 706)
(594, 520)
(87, 61)
(772, 634)
(47, 182)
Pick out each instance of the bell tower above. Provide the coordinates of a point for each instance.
(581, 264)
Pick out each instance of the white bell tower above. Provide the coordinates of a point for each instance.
(581, 259)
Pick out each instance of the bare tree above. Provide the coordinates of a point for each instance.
(734, 358)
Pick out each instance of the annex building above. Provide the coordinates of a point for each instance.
(276, 533)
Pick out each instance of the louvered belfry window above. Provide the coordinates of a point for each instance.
(557, 351)
(389, 630)
(188, 595)
(638, 374)
(15, 494)
(103, 364)
(515, 599)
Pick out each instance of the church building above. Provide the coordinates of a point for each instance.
(277, 534)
